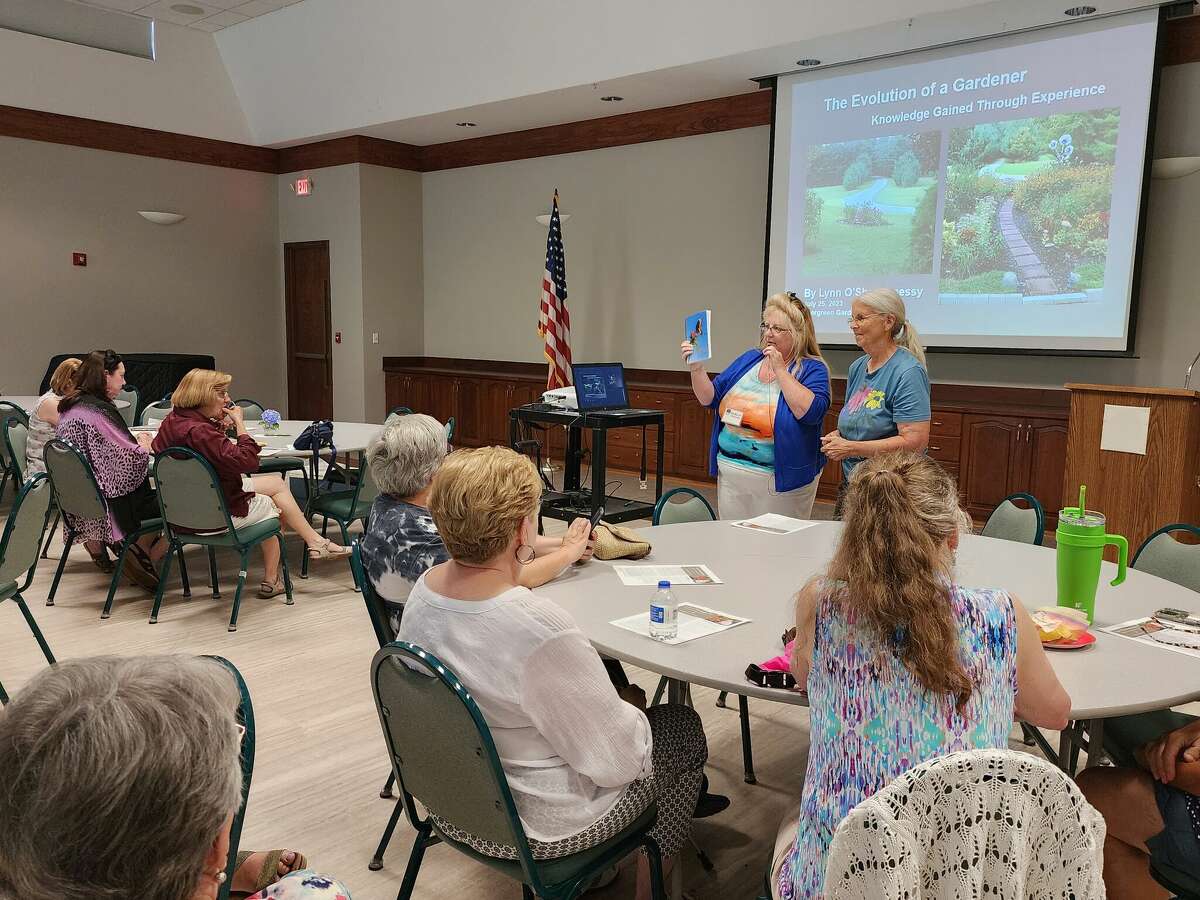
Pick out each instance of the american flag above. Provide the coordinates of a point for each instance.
(554, 322)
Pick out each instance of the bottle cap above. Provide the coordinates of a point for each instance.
(663, 584)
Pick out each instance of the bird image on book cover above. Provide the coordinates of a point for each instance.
(697, 328)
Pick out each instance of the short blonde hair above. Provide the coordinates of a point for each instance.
(197, 386)
(479, 499)
(64, 375)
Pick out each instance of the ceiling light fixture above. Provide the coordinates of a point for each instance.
(159, 217)
(612, 98)
(808, 62)
(187, 9)
(465, 124)
(1076, 11)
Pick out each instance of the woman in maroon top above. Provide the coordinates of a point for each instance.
(200, 416)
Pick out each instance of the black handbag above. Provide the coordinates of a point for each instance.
(315, 438)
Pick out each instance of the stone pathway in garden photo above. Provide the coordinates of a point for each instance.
(1030, 268)
(870, 192)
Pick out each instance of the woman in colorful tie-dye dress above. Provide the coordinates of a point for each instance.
(902, 664)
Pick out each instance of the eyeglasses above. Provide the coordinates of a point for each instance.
(858, 320)
(773, 329)
(241, 731)
(221, 392)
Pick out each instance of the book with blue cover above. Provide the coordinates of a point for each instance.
(697, 328)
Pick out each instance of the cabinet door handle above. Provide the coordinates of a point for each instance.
(1028, 433)
(936, 422)
(934, 447)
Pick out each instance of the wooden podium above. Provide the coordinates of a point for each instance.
(1138, 493)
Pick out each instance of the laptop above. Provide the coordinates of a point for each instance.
(600, 386)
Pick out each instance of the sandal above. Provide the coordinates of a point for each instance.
(269, 589)
(327, 550)
(102, 560)
(269, 873)
(136, 571)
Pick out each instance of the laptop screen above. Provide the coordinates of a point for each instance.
(600, 386)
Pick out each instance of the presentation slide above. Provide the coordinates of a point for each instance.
(996, 186)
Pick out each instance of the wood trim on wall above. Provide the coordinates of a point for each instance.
(53, 128)
(748, 110)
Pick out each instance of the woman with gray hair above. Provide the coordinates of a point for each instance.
(401, 540)
(122, 778)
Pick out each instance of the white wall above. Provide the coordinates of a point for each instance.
(185, 90)
(393, 294)
(661, 229)
(332, 212)
(207, 285)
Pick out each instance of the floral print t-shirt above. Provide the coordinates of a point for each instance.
(898, 391)
(752, 443)
(400, 543)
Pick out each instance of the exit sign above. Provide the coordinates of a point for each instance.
(303, 187)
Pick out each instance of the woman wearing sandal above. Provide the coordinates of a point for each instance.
(120, 463)
(201, 415)
(122, 778)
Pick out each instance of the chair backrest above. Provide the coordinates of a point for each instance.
(23, 532)
(7, 407)
(245, 715)
(16, 433)
(251, 410)
(689, 507)
(1048, 840)
(451, 426)
(1010, 522)
(442, 749)
(1162, 555)
(189, 493)
(395, 413)
(75, 487)
(155, 412)
(380, 618)
(368, 490)
(130, 412)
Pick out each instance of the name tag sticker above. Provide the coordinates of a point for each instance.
(732, 417)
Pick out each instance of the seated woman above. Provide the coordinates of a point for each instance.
(201, 412)
(1150, 801)
(123, 776)
(582, 763)
(902, 663)
(401, 540)
(120, 462)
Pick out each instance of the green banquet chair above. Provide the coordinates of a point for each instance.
(19, 553)
(1010, 522)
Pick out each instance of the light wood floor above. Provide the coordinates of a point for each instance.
(320, 758)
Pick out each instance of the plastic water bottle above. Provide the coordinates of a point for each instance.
(664, 619)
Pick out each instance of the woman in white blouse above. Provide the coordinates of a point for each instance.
(582, 761)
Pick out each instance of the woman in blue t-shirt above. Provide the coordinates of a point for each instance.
(887, 391)
(766, 454)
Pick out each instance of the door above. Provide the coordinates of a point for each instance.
(1047, 447)
(309, 330)
(993, 459)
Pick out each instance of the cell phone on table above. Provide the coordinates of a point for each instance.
(1178, 617)
(595, 519)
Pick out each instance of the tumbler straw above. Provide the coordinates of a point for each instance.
(1082, 495)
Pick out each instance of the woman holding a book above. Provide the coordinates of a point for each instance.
(769, 404)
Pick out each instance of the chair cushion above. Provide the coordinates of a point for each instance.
(339, 505)
(251, 534)
(556, 871)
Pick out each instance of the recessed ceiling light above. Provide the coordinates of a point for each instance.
(1080, 11)
(808, 61)
(465, 124)
(188, 9)
(612, 98)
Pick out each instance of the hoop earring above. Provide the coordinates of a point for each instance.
(531, 555)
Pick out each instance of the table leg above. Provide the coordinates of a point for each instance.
(1064, 748)
(571, 463)
(599, 460)
(658, 472)
(1095, 729)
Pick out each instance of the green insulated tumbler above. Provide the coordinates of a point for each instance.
(1081, 541)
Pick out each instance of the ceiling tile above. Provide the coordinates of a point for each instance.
(162, 11)
(225, 4)
(206, 25)
(226, 18)
(260, 7)
(122, 5)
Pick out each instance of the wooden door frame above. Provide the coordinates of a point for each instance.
(287, 314)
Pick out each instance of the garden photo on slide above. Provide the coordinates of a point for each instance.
(870, 206)
(1027, 208)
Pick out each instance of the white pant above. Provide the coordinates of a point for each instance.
(745, 493)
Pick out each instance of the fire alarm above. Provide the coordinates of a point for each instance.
(302, 187)
(79, 259)
(337, 337)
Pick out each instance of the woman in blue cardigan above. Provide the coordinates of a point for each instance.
(766, 454)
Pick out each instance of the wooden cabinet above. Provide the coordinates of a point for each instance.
(1010, 454)
(994, 440)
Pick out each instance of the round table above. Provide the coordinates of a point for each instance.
(348, 437)
(762, 572)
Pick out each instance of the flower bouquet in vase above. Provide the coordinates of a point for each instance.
(271, 420)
